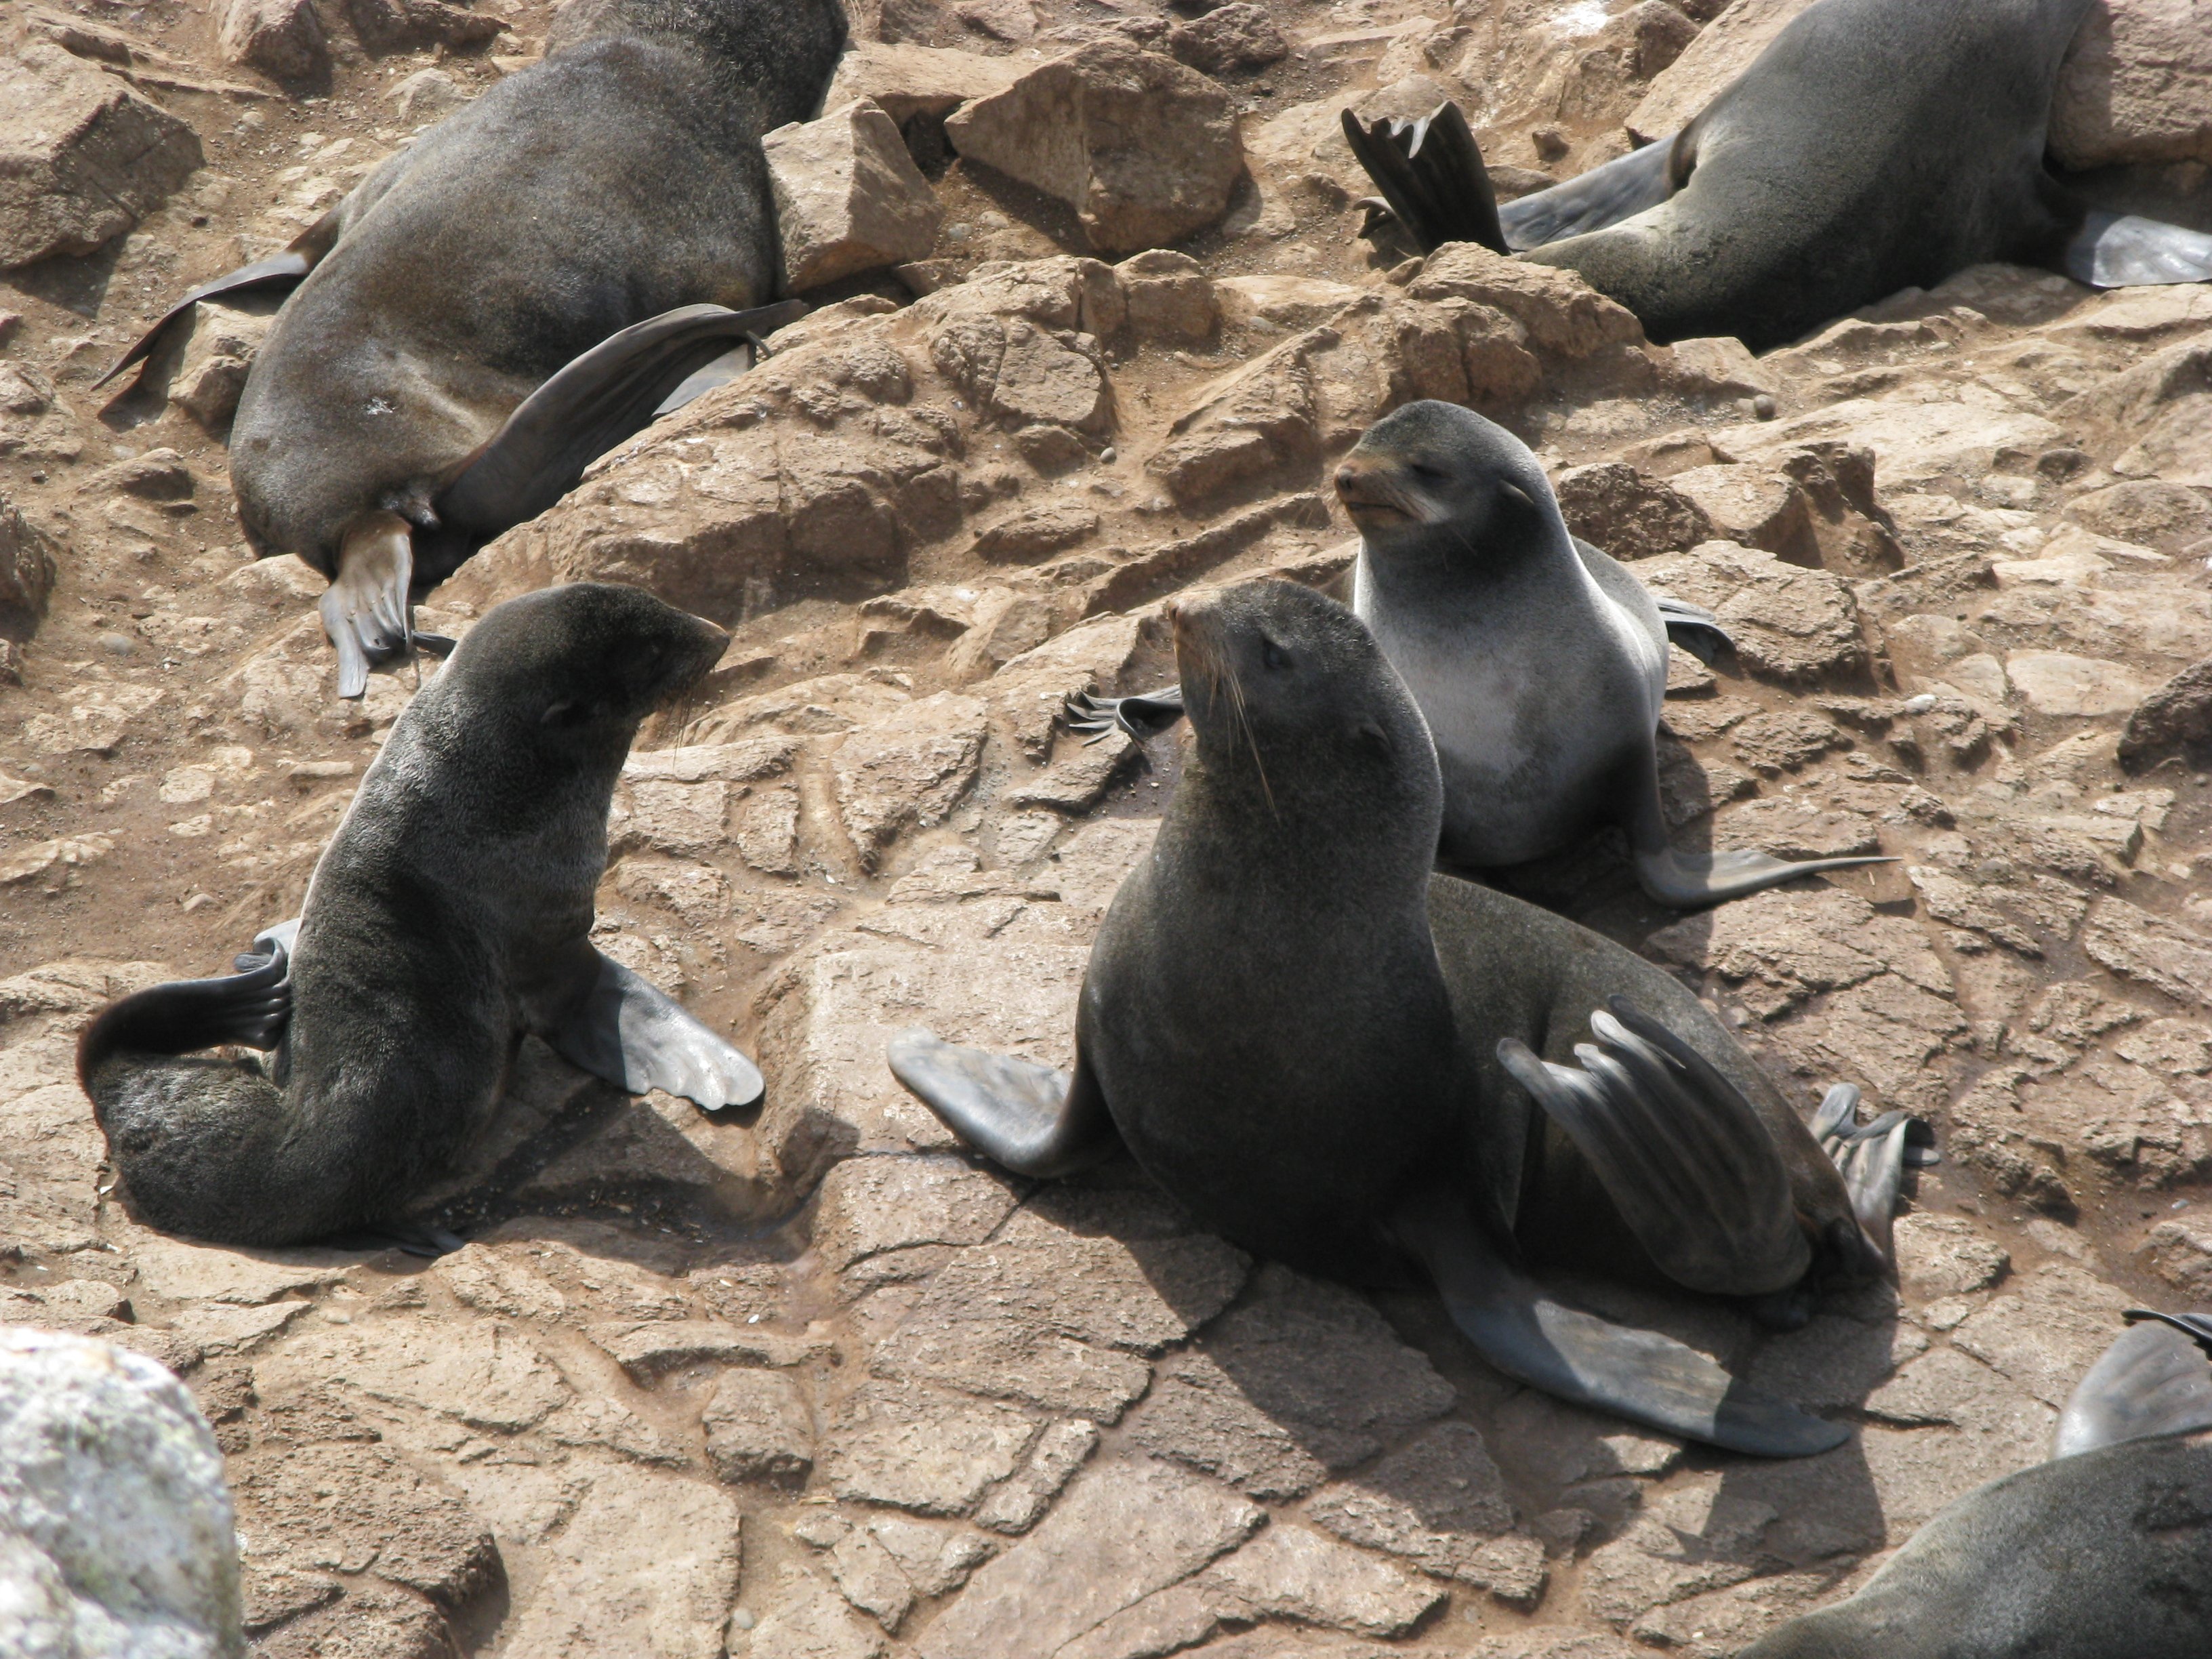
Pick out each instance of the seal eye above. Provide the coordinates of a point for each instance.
(1273, 655)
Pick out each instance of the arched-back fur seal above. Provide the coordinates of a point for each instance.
(1334, 1059)
(1539, 662)
(2104, 1552)
(516, 293)
(450, 915)
(1875, 145)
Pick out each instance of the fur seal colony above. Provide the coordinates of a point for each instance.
(516, 293)
(1539, 662)
(2107, 1549)
(1340, 1062)
(1875, 145)
(449, 916)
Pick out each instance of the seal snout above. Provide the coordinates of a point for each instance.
(1374, 492)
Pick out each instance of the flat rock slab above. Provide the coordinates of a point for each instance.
(82, 157)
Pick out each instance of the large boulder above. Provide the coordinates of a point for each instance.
(282, 39)
(82, 157)
(1143, 149)
(1723, 50)
(2136, 86)
(117, 1539)
(848, 198)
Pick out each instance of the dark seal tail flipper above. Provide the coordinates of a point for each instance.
(1872, 1158)
(251, 1008)
(1026, 1116)
(1141, 717)
(1639, 1375)
(2122, 250)
(606, 395)
(638, 1038)
(1690, 881)
(2156, 1379)
(1431, 172)
(279, 273)
(1604, 196)
(1695, 629)
(737, 361)
(1681, 1151)
(367, 610)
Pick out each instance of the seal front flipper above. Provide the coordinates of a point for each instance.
(587, 408)
(1693, 628)
(2122, 250)
(1639, 1375)
(617, 1026)
(2155, 1379)
(1431, 172)
(1141, 717)
(1026, 1116)
(1604, 196)
(1681, 1151)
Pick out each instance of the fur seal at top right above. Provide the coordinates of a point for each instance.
(1875, 145)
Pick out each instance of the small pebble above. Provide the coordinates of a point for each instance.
(1109, 455)
(1921, 704)
(743, 1618)
(1765, 407)
(116, 645)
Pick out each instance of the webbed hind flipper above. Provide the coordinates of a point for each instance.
(2155, 1379)
(1431, 172)
(367, 611)
(1689, 881)
(285, 271)
(1604, 196)
(1639, 1375)
(252, 1008)
(592, 404)
(616, 1025)
(1693, 628)
(2124, 250)
(1024, 1116)
(1681, 1151)
(1872, 1159)
(1142, 717)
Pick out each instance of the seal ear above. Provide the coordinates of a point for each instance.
(1369, 733)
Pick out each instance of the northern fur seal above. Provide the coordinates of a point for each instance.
(1875, 145)
(2104, 1552)
(1539, 662)
(516, 293)
(1334, 1059)
(450, 915)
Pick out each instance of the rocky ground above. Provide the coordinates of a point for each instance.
(815, 1385)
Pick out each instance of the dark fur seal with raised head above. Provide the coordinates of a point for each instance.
(1539, 662)
(515, 293)
(2103, 1553)
(1342, 1062)
(1875, 145)
(450, 915)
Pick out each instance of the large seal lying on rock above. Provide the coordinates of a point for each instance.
(450, 915)
(2107, 1550)
(1339, 1061)
(1875, 145)
(515, 293)
(1539, 662)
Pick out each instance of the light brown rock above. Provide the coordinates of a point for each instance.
(1723, 50)
(1622, 511)
(1238, 35)
(282, 39)
(82, 157)
(919, 1449)
(1439, 1502)
(758, 1427)
(1143, 149)
(2136, 86)
(848, 198)
(1561, 312)
(909, 768)
(908, 80)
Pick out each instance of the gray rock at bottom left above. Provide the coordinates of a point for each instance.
(118, 1539)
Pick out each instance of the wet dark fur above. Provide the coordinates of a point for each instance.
(619, 178)
(461, 877)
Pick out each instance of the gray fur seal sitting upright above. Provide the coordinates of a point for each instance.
(1345, 1063)
(1539, 662)
(2103, 1553)
(1875, 145)
(450, 915)
(516, 293)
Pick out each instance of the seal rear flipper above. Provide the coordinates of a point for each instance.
(1431, 172)
(366, 610)
(1604, 196)
(2124, 250)
(2155, 1379)
(1026, 1116)
(280, 272)
(1141, 717)
(623, 1029)
(1681, 1151)
(1693, 628)
(737, 361)
(606, 395)
(252, 1008)
(1872, 1159)
(1639, 1375)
